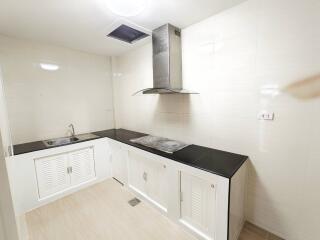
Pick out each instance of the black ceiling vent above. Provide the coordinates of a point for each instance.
(127, 34)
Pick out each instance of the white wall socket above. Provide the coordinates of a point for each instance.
(266, 115)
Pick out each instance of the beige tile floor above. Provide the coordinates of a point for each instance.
(101, 212)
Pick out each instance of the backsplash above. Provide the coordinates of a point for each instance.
(241, 61)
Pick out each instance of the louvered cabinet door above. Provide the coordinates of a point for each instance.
(197, 204)
(82, 166)
(52, 174)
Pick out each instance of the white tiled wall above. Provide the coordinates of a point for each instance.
(240, 61)
(41, 104)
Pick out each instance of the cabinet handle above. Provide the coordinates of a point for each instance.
(69, 170)
(181, 197)
(145, 176)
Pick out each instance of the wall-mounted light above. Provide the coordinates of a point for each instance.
(270, 90)
(127, 8)
(49, 66)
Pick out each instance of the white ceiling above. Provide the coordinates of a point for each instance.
(83, 24)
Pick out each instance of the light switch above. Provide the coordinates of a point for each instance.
(266, 115)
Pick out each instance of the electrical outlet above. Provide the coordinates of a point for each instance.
(266, 115)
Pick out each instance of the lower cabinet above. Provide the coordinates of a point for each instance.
(82, 166)
(60, 172)
(119, 157)
(197, 202)
(148, 177)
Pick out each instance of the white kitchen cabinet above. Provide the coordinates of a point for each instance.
(148, 177)
(52, 174)
(197, 201)
(40, 177)
(212, 206)
(82, 166)
(60, 172)
(136, 171)
(119, 156)
(156, 184)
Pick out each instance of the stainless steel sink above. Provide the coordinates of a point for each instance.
(67, 140)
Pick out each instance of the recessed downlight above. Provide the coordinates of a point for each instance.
(127, 8)
(49, 66)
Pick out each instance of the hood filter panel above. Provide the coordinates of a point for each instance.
(127, 34)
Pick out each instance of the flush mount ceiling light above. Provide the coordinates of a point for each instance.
(49, 66)
(127, 8)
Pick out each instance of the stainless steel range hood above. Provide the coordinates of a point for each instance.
(167, 66)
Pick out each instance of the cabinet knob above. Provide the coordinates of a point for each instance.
(164, 166)
(212, 186)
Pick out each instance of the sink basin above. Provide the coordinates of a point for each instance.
(60, 141)
(67, 140)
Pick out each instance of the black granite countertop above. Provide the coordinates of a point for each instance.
(211, 160)
(39, 145)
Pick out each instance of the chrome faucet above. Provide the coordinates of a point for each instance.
(72, 130)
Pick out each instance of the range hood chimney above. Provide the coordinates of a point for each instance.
(167, 66)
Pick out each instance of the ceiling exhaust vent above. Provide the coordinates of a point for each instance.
(127, 34)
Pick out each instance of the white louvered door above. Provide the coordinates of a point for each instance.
(82, 166)
(60, 172)
(52, 174)
(197, 204)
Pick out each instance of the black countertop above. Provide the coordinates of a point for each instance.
(39, 145)
(211, 160)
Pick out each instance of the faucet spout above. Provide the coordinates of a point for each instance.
(72, 130)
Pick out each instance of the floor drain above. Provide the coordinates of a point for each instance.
(133, 202)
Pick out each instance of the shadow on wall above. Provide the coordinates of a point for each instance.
(173, 103)
(255, 187)
(308, 88)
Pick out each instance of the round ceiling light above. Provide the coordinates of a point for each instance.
(127, 8)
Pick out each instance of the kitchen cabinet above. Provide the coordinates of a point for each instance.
(60, 172)
(197, 202)
(40, 177)
(148, 177)
(52, 174)
(204, 200)
(119, 156)
(82, 166)
(209, 206)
